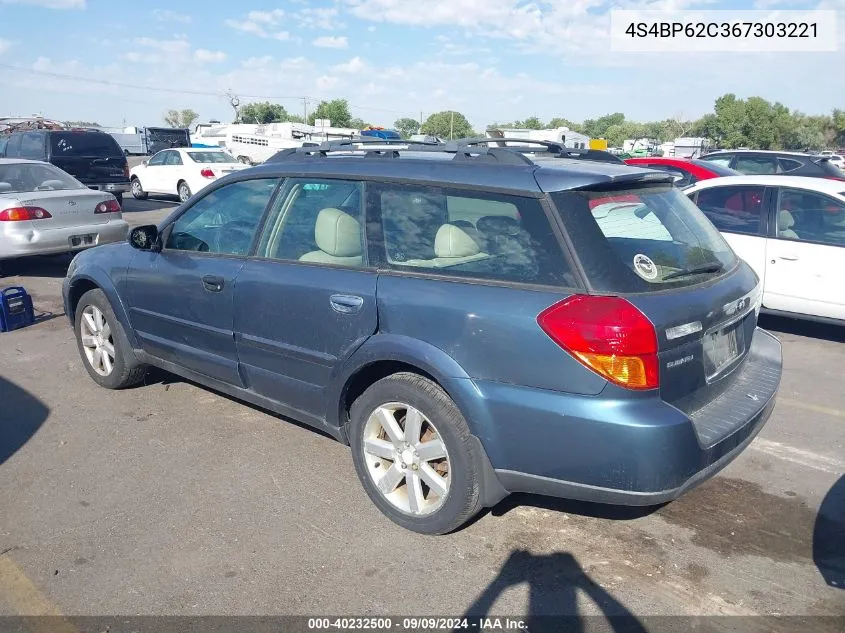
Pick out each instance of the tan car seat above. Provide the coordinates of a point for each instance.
(338, 236)
(785, 224)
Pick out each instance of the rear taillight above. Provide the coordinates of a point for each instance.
(207, 173)
(126, 170)
(109, 206)
(607, 334)
(23, 214)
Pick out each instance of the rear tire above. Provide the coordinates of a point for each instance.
(102, 343)
(137, 190)
(422, 474)
(184, 191)
(119, 197)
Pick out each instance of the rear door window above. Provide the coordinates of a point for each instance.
(642, 239)
(787, 165)
(810, 217)
(457, 233)
(735, 209)
(173, 158)
(85, 145)
(32, 146)
(13, 147)
(757, 165)
(723, 161)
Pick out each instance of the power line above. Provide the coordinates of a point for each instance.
(222, 94)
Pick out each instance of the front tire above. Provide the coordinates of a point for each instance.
(137, 190)
(411, 447)
(103, 346)
(184, 191)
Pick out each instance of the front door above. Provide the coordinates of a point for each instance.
(307, 300)
(806, 255)
(153, 175)
(181, 299)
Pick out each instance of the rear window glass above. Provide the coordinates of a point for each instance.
(212, 157)
(32, 177)
(716, 167)
(84, 145)
(642, 239)
(830, 169)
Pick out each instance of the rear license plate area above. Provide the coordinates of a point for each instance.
(78, 241)
(722, 349)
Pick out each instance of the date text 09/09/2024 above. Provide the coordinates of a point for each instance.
(800, 30)
(417, 624)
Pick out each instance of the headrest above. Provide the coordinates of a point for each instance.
(5, 186)
(785, 220)
(453, 241)
(337, 233)
(498, 224)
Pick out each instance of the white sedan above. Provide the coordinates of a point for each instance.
(44, 210)
(791, 231)
(181, 172)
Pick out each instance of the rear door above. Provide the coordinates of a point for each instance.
(90, 157)
(181, 299)
(738, 211)
(171, 172)
(307, 300)
(806, 255)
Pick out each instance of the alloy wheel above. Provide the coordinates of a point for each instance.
(97, 341)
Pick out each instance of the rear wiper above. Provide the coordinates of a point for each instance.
(715, 267)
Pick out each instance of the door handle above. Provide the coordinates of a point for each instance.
(789, 258)
(213, 283)
(346, 304)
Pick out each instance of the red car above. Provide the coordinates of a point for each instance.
(690, 170)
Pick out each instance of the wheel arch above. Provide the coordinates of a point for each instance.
(97, 280)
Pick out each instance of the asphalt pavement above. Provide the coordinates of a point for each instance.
(172, 499)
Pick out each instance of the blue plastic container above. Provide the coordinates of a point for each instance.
(15, 309)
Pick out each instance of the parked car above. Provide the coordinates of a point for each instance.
(760, 162)
(687, 171)
(94, 158)
(43, 210)
(181, 172)
(791, 231)
(463, 317)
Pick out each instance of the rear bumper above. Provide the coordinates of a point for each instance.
(638, 451)
(110, 187)
(29, 240)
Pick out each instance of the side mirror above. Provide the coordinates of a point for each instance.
(144, 162)
(145, 238)
(677, 178)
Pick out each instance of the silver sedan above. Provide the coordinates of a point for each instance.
(44, 210)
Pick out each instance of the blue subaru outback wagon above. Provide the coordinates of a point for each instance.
(471, 320)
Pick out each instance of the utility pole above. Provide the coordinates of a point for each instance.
(305, 109)
(419, 129)
(451, 124)
(234, 102)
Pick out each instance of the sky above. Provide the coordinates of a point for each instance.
(122, 62)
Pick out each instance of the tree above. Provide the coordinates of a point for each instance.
(358, 123)
(447, 124)
(406, 126)
(336, 111)
(531, 123)
(263, 112)
(561, 122)
(183, 118)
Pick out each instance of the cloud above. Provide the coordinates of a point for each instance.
(166, 15)
(203, 55)
(319, 18)
(5, 45)
(260, 23)
(326, 83)
(50, 4)
(329, 41)
(176, 46)
(352, 67)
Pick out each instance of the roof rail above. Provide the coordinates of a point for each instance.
(558, 149)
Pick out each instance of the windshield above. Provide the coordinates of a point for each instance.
(642, 239)
(212, 157)
(87, 144)
(31, 177)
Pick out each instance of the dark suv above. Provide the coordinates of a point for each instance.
(472, 321)
(764, 162)
(94, 158)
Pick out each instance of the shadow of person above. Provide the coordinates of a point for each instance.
(21, 415)
(554, 581)
(829, 536)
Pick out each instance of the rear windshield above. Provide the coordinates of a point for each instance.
(212, 157)
(31, 177)
(716, 168)
(642, 239)
(84, 145)
(830, 168)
